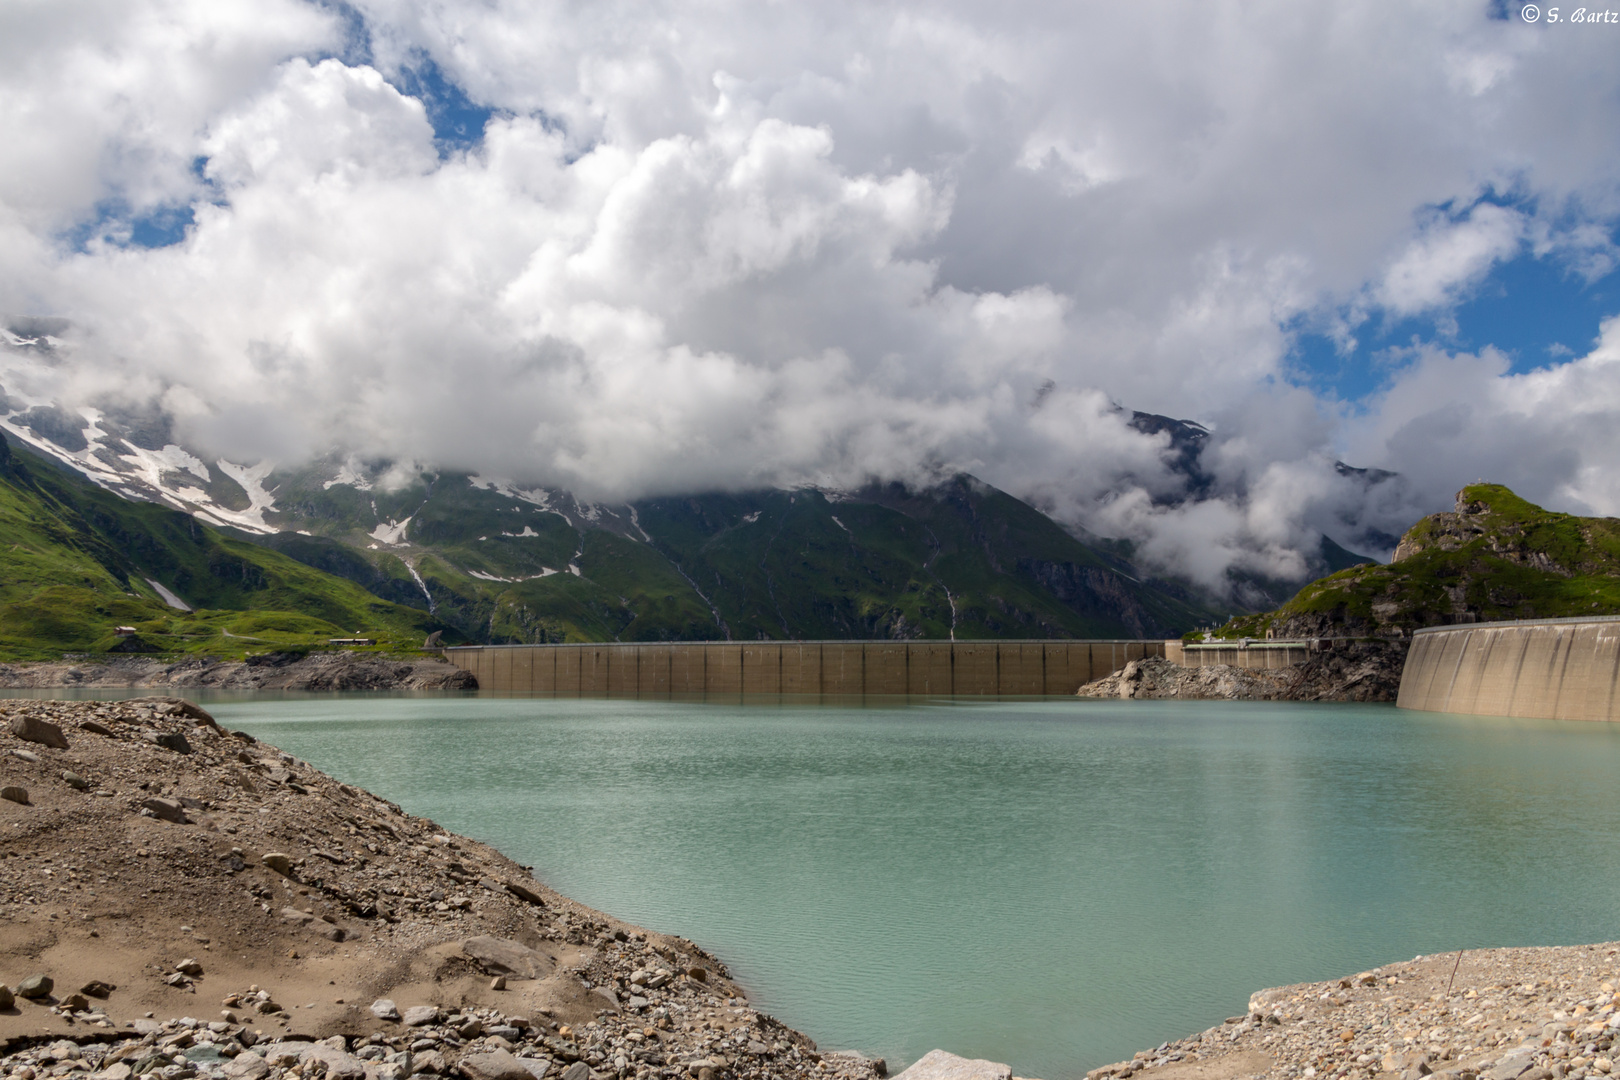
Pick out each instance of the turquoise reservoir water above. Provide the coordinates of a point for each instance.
(1053, 884)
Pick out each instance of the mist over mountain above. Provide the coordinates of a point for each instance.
(378, 503)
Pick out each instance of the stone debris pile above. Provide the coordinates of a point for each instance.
(1494, 1014)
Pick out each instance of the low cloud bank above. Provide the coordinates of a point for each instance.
(741, 245)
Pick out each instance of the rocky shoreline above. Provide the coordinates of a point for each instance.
(318, 671)
(179, 902)
(1487, 1014)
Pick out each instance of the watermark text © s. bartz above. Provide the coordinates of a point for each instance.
(1586, 16)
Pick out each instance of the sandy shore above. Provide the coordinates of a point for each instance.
(202, 904)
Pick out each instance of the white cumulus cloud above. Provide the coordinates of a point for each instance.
(731, 244)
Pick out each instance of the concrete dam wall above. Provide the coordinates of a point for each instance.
(664, 669)
(1557, 669)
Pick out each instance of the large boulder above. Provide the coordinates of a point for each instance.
(33, 729)
(940, 1065)
(35, 987)
(167, 810)
(499, 1065)
(502, 957)
(339, 1064)
(173, 706)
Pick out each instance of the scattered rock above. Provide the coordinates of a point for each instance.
(499, 1065)
(15, 794)
(337, 1064)
(421, 1015)
(246, 1066)
(35, 987)
(7, 1000)
(24, 755)
(96, 729)
(1511, 1065)
(524, 893)
(384, 1009)
(30, 728)
(278, 861)
(189, 966)
(170, 740)
(75, 781)
(167, 810)
(97, 989)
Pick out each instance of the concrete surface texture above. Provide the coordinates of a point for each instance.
(657, 669)
(1560, 669)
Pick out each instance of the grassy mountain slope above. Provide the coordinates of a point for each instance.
(76, 561)
(1496, 557)
(505, 565)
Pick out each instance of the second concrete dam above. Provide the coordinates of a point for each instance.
(661, 669)
(1556, 669)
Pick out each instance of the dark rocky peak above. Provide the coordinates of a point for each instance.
(1366, 476)
(34, 334)
(1182, 456)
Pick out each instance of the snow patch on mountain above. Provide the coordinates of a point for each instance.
(168, 597)
(350, 475)
(150, 466)
(545, 571)
(538, 496)
(251, 480)
(391, 532)
(636, 521)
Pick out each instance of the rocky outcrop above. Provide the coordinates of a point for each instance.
(270, 671)
(1356, 671)
(1495, 558)
(1156, 677)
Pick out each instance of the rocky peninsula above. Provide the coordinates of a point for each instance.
(1357, 671)
(178, 902)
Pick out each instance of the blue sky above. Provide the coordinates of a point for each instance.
(1540, 311)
